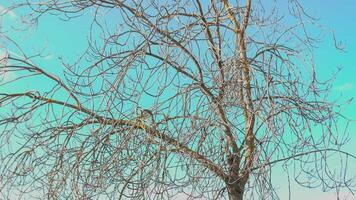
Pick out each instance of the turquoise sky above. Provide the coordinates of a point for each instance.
(68, 40)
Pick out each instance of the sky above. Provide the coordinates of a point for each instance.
(338, 17)
(66, 40)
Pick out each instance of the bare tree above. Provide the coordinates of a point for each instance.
(200, 99)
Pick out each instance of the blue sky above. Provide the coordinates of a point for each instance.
(340, 17)
(66, 40)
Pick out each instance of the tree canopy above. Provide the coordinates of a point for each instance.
(200, 99)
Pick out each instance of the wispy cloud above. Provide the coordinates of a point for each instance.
(6, 11)
(344, 87)
(340, 196)
(3, 57)
(5, 74)
(48, 57)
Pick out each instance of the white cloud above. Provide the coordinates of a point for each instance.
(3, 57)
(48, 57)
(344, 87)
(6, 11)
(340, 196)
(5, 75)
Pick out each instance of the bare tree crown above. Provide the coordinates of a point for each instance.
(171, 98)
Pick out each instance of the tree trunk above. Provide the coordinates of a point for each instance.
(236, 192)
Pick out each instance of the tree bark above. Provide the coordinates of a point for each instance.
(236, 191)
